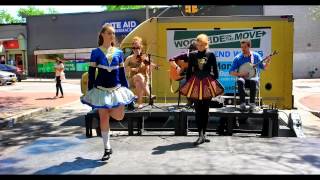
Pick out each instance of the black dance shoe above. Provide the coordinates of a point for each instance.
(206, 139)
(106, 155)
(199, 141)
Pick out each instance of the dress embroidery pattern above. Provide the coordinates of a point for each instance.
(109, 55)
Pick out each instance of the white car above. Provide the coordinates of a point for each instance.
(7, 77)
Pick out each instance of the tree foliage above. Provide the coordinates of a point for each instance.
(315, 13)
(22, 13)
(122, 7)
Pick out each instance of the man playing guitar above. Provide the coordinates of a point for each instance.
(180, 70)
(243, 80)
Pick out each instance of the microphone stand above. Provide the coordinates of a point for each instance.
(151, 103)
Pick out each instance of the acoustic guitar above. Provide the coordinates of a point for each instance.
(174, 75)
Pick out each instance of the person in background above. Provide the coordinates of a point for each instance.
(59, 74)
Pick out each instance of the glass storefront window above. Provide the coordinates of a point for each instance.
(78, 62)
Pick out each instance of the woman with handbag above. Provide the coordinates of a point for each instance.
(202, 84)
(59, 74)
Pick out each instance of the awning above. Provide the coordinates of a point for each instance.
(63, 51)
(7, 39)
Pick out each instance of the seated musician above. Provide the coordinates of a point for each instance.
(243, 81)
(138, 71)
(185, 58)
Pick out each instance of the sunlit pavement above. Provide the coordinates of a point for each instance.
(55, 143)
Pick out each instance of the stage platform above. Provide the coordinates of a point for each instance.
(180, 119)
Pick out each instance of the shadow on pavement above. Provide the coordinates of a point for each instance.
(80, 164)
(7, 166)
(28, 131)
(173, 147)
(48, 98)
(48, 146)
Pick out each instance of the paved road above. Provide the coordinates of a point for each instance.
(28, 96)
(54, 143)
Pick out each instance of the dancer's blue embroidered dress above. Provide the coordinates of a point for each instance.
(109, 89)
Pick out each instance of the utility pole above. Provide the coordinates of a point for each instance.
(147, 12)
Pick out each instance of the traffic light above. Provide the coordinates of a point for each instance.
(191, 9)
(187, 9)
(194, 9)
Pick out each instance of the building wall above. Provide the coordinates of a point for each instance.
(12, 31)
(306, 56)
(68, 31)
(18, 32)
(80, 30)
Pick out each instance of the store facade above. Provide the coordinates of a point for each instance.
(73, 36)
(13, 45)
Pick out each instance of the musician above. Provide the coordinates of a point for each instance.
(137, 69)
(108, 92)
(242, 58)
(202, 70)
(185, 58)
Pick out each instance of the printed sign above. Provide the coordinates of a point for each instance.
(124, 26)
(225, 44)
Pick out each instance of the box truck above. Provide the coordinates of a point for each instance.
(165, 37)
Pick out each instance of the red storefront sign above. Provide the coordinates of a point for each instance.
(11, 44)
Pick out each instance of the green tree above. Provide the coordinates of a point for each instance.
(33, 11)
(29, 11)
(122, 7)
(315, 13)
(52, 11)
(6, 18)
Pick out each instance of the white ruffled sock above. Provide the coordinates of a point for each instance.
(106, 139)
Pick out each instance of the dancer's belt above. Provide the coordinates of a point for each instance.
(109, 89)
(110, 68)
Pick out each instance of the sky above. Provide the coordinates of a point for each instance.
(61, 9)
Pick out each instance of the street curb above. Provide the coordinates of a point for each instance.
(10, 121)
(50, 81)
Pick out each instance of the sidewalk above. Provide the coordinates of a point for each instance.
(13, 105)
(312, 102)
(307, 94)
(76, 154)
(33, 96)
(307, 98)
(72, 81)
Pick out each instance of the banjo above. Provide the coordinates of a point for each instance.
(250, 67)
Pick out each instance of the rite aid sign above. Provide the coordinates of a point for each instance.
(124, 26)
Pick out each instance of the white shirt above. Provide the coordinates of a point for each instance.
(58, 73)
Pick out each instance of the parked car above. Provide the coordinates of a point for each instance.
(16, 70)
(7, 77)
